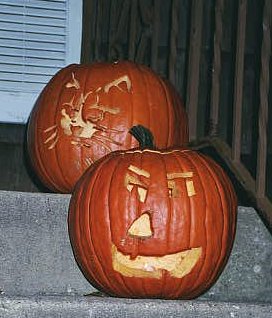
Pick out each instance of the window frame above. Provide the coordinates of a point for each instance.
(16, 106)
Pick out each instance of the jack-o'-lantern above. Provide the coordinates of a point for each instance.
(153, 224)
(86, 111)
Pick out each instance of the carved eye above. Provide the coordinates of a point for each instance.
(141, 227)
(133, 180)
(172, 187)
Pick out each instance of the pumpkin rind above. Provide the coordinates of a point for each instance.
(201, 216)
(85, 112)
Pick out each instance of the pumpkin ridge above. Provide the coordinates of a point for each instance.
(188, 285)
(222, 260)
(139, 204)
(169, 204)
(214, 177)
(132, 106)
(147, 85)
(90, 236)
(180, 286)
(162, 83)
(43, 164)
(217, 177)
(83, 150)
(109, 218)
(65, 184)
(78, 233)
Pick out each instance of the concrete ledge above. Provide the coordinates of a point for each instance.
(36, 257)
(70, 307)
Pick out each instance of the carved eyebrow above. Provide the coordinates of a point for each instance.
(129, 179)
(139, 171)
(116, 83)
(172, 185)
(175, 175)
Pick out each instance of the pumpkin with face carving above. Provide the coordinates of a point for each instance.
(86, 111)
(149, 223)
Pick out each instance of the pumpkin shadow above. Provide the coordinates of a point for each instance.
(29, 168)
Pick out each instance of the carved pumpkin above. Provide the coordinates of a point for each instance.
(85, 112)
(148, 223)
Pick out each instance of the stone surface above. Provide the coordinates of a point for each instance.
(70, 307)
(36, 257)
(35, 252)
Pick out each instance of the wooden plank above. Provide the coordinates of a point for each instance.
(133, 30)
(155, 35)
(113, 24)
(194, 66)
(98, 30)
(145, 16)
(217, 46)
(239, 80)
(263, 108)
(173, 42)
(119, 20)
(88, 30)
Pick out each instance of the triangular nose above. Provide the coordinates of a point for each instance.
(141, 227)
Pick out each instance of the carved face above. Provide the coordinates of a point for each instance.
(87, 111)
(153, 224)
(143, 229)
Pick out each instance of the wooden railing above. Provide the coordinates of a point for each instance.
(255, 185)
(202, 47)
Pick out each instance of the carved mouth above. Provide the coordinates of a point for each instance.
(178, 264)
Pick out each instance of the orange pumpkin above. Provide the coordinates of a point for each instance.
(85, 112)
(149, 223)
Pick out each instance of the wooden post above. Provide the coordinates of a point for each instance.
(98, 31)
(155, 35)
(239, 80)
(113, 23)
(194, 66)
(88, 25)
(173, 42)
(217, 46)
(132, 31)
(263, 109)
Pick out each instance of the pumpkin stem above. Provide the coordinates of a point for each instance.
(143, 136)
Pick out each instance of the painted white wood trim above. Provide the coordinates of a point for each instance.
(15, 107)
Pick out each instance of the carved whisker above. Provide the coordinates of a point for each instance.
(74, 83)
(54, 143)
(51, 137)
(50, 128)
(111, 140)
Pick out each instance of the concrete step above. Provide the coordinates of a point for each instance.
(70, 307)
(36, 257)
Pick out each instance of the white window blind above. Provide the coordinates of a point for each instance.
(37, 38)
